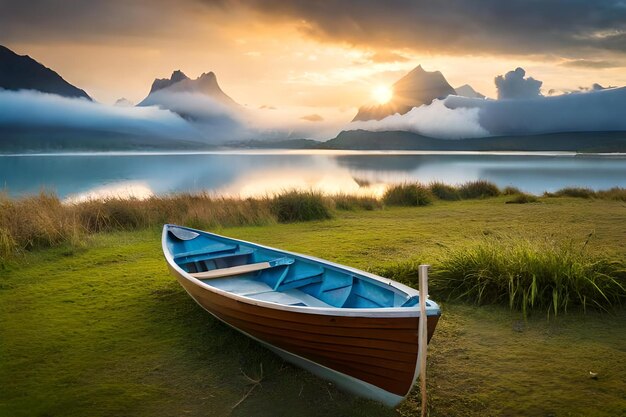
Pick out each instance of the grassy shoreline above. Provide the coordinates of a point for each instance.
(539, 272)
(100, 328)
(43, 220)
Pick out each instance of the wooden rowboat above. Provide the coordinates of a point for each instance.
(345, 325)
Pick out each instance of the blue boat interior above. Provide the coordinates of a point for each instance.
(278, 277)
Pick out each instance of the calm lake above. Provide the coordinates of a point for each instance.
(78, 176)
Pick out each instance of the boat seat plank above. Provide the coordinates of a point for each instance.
(233, 270)
(206, 250)
(242, 269)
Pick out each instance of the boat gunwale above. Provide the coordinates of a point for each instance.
(377, 312)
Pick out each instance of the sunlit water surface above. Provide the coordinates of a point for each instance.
(79, 176)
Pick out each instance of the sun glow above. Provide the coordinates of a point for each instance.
(382, 94)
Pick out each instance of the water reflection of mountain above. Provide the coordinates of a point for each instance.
(533, 173)
(393, 163)
(409, 163)
(246, 172)
(71, 174)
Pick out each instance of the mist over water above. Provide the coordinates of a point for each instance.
(35, 109)
(248, 174)
(178, 116)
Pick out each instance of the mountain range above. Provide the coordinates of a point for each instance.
(21, 72)
(208, 110)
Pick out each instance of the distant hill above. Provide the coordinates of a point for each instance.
(24, 139)
(277, 144)
(21, 72)
(414, 89)
(123, 102)
(399, 140)
(466, 90)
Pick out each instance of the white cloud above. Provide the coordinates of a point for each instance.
(434, 120)
(513, 85)
(203, 119)
(585, 112)
(462, 117)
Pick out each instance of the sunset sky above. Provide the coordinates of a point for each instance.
(318, 54)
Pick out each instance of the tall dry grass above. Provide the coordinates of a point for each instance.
(36, 221)
(408, 194)
(615, 193)
(349, 202)
(294, 206)
(478, 189)
(444, 191)
(577, 192)
(199, 210)
(43, 220)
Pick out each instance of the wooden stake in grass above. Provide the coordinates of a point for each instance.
(423, 331)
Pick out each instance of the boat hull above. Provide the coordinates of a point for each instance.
(372, 356)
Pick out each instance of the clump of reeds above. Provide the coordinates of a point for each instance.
(36, 221)
(615, 193)
(408, 194)
(509, 190)
(204, 210)
(578, 192)
(531, 275)
(353, 202)
(293, 206)
(444, 191)
(7, 244)
(526, 275)
(478, 189)
(43, 220)
(522, 198)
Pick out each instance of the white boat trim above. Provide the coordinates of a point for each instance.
(432, 307)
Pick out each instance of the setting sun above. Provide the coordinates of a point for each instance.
(382, 94)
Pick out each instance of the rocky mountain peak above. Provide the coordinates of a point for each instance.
(161, 83)
(467, 90)
(414, 89)
(206, 84)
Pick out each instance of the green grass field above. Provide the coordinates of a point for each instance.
(101, 329)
